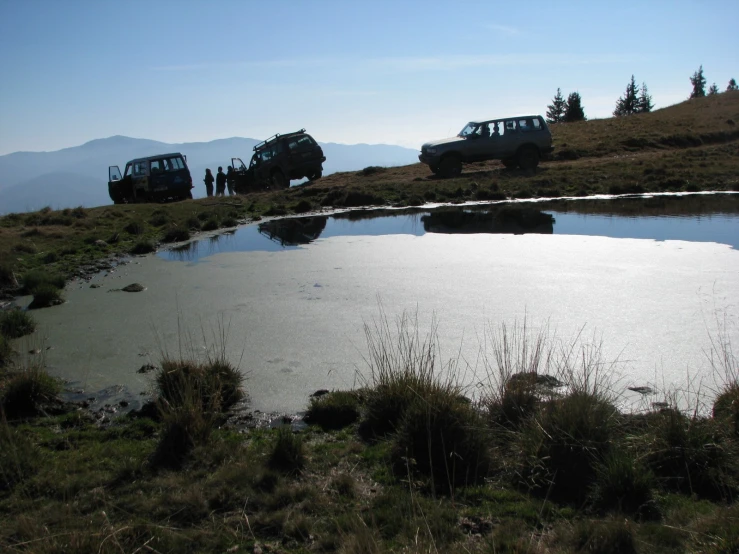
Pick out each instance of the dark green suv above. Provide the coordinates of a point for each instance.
(517, 141)
(278, 160)
(156, 178)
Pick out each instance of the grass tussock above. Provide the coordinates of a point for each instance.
(142, 247)
(45, 296)
(24, 392)
(334, 410)
(288, 453)
(6, 351)
(176, 234)
(33, 280)
(16, 323)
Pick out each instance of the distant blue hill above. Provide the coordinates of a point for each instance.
(78, 176)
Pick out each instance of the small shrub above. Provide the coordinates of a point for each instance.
(372, 170)
(202, 216)
(184, 426)
(276, 210)
(45, 296)
(193, 223)
(333, 410)
(344, 485)
(605, 537)
(288, 452)
(176, 234)
(24, 248)
(36, 278)
(567, 439)
(19, 457)
(442, 436)
(7, 278)
(726, 407)
(142, 247)
(50, 258)
(26, 390)
(135, 228)
(6, 351)
(230, 222)
(622, 484)
(216, 383)
(691, 455)
(211, 224)
(16, 323)
(302, 207)
(159, 219)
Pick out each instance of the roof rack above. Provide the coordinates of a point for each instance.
(275, 137)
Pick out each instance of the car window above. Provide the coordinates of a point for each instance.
(128, 170)
(524, 125)
(303, 142)
(139, 168)
(510, 126)
(173, 164)
(537, 125)
(156, 166)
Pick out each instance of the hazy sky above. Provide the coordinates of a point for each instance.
(396, 72)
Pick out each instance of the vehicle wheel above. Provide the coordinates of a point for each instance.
(509, 163)
(434, 168)
(528, 157)
(279, 180)
(450, 166)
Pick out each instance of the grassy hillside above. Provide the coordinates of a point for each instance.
(692, 146)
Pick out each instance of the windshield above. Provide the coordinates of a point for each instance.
(469, 129)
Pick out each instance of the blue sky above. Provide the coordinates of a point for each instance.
(399, 72)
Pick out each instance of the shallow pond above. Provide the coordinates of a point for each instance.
(288, 299)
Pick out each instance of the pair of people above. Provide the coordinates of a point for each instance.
(221, 180)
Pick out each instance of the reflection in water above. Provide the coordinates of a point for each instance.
(703, 218)
(293, 231)
(510, 220)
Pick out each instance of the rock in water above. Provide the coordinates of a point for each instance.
(134, 287)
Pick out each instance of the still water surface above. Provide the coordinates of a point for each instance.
(646, 279)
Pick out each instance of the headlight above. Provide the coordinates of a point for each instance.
(431, 150)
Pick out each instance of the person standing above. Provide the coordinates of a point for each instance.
(230, 179)
(220, 182)
(208, 182)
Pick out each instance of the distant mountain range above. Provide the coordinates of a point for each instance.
(78, 176)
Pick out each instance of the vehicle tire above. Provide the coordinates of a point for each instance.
(509, 163)
(527, 157)
(434, 169)
(279, 180)
(450, 166)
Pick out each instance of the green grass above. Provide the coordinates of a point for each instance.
(26, 390)
(287, 454)
(44, 296)
(16, 323)
(334, 410)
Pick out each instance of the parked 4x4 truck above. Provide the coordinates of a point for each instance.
(156, 178)
(277, 161)
(517, 141)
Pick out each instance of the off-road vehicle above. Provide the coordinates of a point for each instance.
(156, 178)
(278, 160)
(516, 141)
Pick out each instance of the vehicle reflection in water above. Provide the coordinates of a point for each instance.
(701, 218)
(512, 221)
(293, 231)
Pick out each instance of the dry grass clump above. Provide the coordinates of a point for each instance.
(16, 323)
(26, 390)
(334, 410)
(288, 453)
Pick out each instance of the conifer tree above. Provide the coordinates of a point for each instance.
(556, 110)
(713, 89)
(574, 110)
(629, 102)
(644, 104)
(699, 84)
(732, 85)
